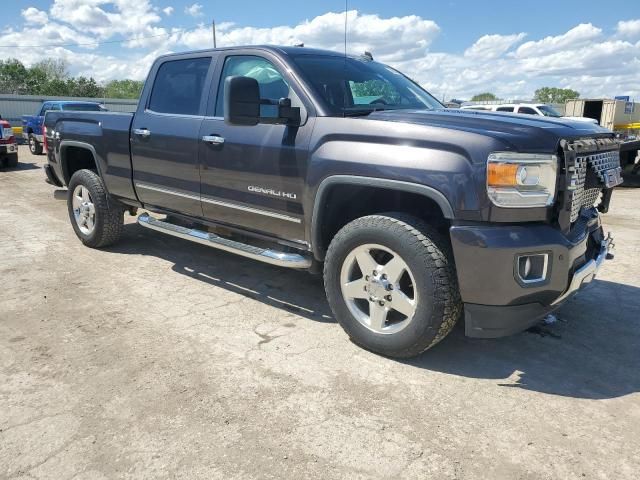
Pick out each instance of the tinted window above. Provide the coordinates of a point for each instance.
(358, 86)
(527, 110)
(45, 108)
(504, 109)
(179, 85)
(83, 107)
(270, 81)
(549, 111)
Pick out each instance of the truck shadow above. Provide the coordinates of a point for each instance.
(291, 290)
(21, 166)
(591, 352)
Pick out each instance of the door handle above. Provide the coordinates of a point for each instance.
(213, 139)
(142, 132)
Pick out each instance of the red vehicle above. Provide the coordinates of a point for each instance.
(8, 146)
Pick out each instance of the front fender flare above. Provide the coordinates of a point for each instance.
(316, 219)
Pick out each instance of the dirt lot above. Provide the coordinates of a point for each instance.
(158, 358)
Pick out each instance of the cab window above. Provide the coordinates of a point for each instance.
(179, 86)
(527, 110)
(272, 84)
(504, 109)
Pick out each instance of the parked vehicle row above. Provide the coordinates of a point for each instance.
(32, 124)
(540, 109)
(306, 159)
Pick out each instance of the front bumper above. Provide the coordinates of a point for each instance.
(8, 149)
(496, 303)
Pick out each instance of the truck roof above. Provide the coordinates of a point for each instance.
(82, 102)
(286, 50)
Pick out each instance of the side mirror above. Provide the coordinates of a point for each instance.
(241, 101)
(242, 104)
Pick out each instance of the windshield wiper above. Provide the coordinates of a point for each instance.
(362, 112)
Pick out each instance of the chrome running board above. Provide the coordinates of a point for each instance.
(281, 259)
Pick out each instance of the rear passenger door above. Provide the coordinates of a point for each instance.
(164, 134)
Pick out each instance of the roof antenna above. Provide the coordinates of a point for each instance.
(344, 86)
(213, 30)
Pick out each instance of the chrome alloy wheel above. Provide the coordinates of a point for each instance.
(84, 210)
(378, 288)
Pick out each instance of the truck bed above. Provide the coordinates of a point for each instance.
(106, 134)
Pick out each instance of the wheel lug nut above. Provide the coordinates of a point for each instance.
(366, 277)
(381, 303)
(389, 287)
(384, 276)
(388, 297)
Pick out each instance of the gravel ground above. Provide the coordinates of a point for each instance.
(158, 358)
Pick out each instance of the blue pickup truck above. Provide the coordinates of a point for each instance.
(32, 124)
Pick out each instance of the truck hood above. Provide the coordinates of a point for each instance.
(521, 132)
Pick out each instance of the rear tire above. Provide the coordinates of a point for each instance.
(35, 147)
(411, 303)
(97, 221)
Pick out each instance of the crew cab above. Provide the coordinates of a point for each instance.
(8, 146)
(32, 124)
(416, 215)
(541, 109)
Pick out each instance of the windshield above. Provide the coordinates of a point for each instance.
(359, 86)
(548, 111)
(83, 107)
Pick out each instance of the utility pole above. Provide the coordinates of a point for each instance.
(213, 30)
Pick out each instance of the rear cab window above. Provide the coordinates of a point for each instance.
(179, 86)
(527, 111)
(82, 107)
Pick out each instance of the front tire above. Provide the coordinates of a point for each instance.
(391, 284)
(97, 222)
(35, 147)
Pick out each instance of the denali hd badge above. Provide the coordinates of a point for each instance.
(272, 192)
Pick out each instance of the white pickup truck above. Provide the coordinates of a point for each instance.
(527, 109)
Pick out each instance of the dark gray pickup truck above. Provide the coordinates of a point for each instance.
(417, 215)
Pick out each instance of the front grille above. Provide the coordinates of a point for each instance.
(583, 194)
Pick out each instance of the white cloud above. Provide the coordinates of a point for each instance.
(579, 36)
(168, 11)
(629, 28)
(390, 39)
(34, 16)
(585, 58)
(493, 46)
(194, 10)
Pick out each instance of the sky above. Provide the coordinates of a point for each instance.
(454, 48)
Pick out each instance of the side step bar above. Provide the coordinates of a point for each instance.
(281, 259)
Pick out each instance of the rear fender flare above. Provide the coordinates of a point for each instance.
(64, 144)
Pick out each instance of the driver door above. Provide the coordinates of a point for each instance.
(253, 176)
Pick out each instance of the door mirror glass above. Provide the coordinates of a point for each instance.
(241, 101)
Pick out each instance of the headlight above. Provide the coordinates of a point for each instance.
(521, 179)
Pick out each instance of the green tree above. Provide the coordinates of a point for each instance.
(84, 87)
(554, 95)
(13, 77)
(123, 89)
(483, 97)
(53, 68)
